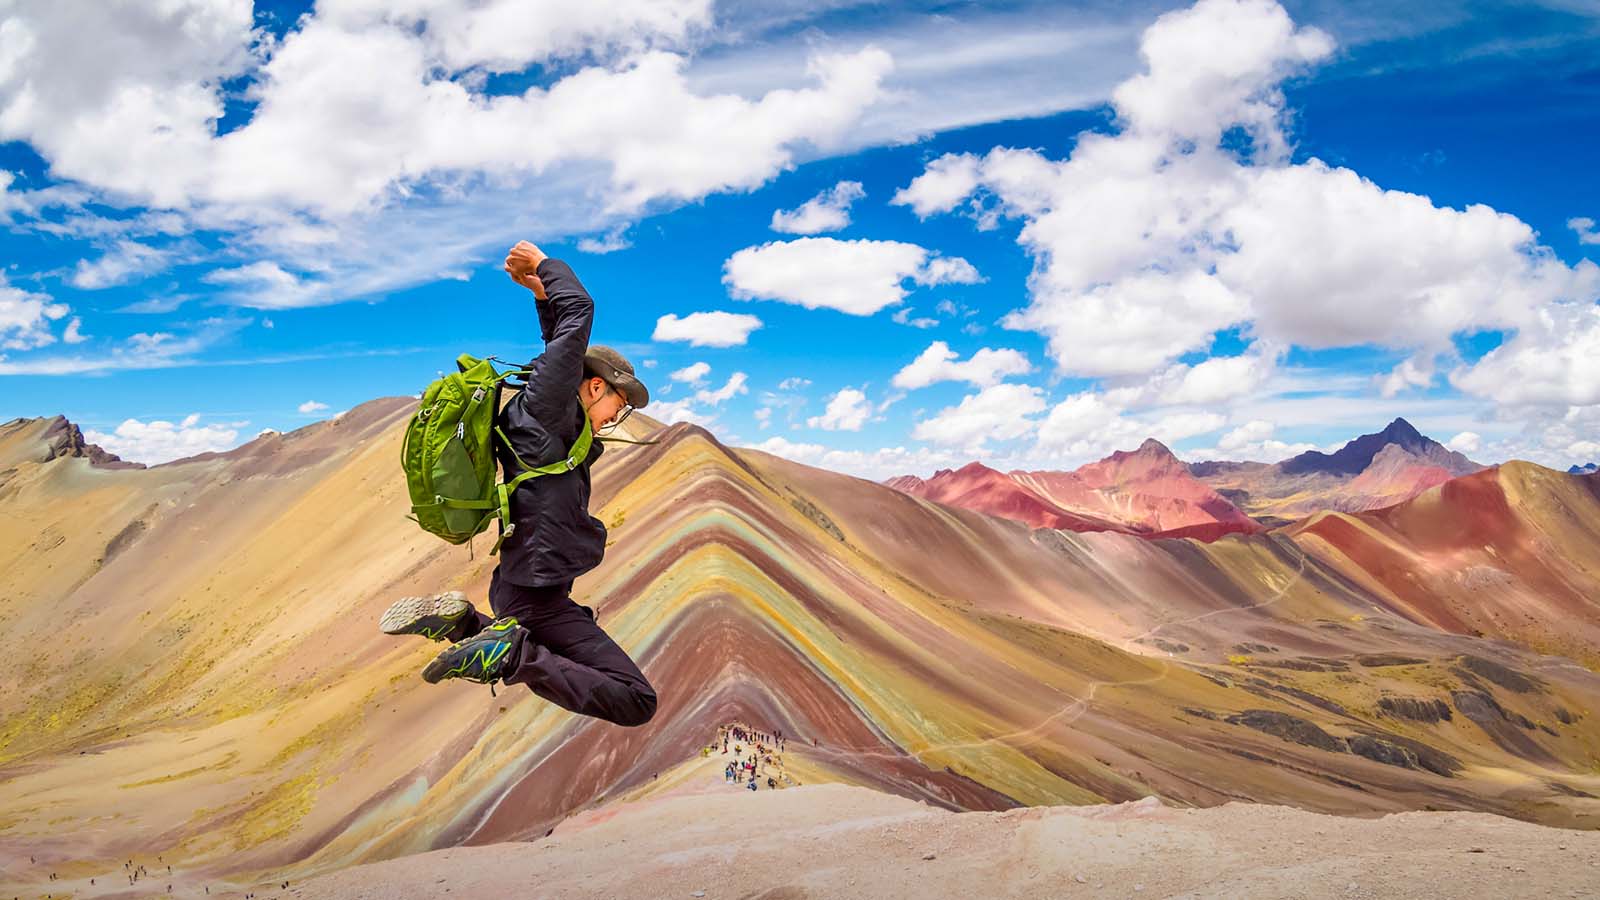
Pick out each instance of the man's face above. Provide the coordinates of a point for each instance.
(609, 408)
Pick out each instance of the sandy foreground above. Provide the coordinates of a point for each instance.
(699, 837)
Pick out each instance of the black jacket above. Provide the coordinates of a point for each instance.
(556, 539)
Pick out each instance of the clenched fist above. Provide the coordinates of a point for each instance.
(522, 263)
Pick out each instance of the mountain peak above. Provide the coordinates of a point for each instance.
(64, 439)
(1356, 455)
(1153, 447)
(1402, 432)
(1151, 456)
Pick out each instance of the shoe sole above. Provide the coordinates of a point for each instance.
(432, 617)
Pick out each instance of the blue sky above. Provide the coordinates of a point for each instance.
(1241, 228)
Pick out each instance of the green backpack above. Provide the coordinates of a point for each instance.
(448, 455)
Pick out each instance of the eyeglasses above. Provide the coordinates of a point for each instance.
(622, 414)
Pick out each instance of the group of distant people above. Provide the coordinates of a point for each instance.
(765, 760)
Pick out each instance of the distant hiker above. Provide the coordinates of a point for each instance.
(541, 637)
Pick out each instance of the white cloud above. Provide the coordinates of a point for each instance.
(311, 406)
(944, 183)
(670, 411)
(686, 410)
(73, 335)
(786, 399)
(858, 277)
(1131, 326)
(828, 211)
(706, 329)
(610, 242)
(876, 464)
(964, 65)
(1252, 441)
(1088, 425)
(938, 363)
(1417, 371)
(1554, 361)
(902, 316)
(734, 386)
(124, 262)
(159, 441)
(265, 285)
(1467, 442)
(1566, 438)
(847, 410)
(1151, 240)
(657, 138)
(694, 374)
(999, 412)
(1252, 432)
(506, 35)
(142, 350)
(1383, 267)
(25, 317)
(122, 96)
(947, 270)
(1206, 383)
(1215, 65)
(1583, 226)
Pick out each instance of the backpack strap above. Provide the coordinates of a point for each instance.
(575, 458)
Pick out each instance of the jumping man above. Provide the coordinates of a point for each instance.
(539, 636)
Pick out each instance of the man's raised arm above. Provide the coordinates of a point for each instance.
(566, 316)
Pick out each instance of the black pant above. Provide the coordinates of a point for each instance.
(567, 658)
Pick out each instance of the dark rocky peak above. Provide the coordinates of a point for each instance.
(1354, 457)
(1403, 433)
(62, 439)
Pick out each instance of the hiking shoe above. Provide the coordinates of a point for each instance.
(486, 657)
(435, 617)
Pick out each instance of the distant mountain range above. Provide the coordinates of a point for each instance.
(1150, 492)
(1587, 469)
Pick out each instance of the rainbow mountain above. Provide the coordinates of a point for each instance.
(197, 672)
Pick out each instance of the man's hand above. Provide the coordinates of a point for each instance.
(522, 263)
